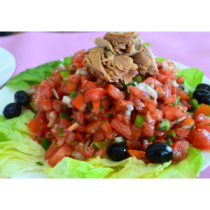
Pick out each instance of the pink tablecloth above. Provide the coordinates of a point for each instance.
(33, 49)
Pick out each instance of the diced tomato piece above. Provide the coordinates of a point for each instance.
(40, 117)
(121, 105)
(46, 93)
(162, 77)
(34, 125)
(51, 151)
(37, 136)
(200, 118)
(182, 133)
(101, 152)
(169, 113)
(68, 87)
(86, 151)
(79, 117)
(79, 102)
(79, 136)
(135, 145)
(93, 127)
(148, 130)
(69, 137)
(64, 151)
(141, 155)
(151, 80)
(188, 121)
(184, 96)
(60, 92)
(185, 103)
(167, 87)
(75, 66)
(204, 125)
(49, 135)
(64, 123)
(104, 104)
(180, 111)
(157, 115)
(44, 127)
(201, 139)
(175, 91)
(161, 93)
(94, 94)
(136, 133)
(57, 78)
(202, 109)
(120, 116)
(84, 77)
(58, 106)
(137, 92)
(96, 107)
(180, 80)
(180, 150)
(98, 136)
(121, 128)
(89, 85)
(170, 100)
(106, 126)
(151, 104)
(46, 83)
(114, 92)
(74, 79)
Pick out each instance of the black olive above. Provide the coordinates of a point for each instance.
(22, 98)
(202, 96)
(159, 152)
(117, 151)
(12, 110)
(203, 87)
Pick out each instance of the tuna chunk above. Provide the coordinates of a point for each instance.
(145, 61)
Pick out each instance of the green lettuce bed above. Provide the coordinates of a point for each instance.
(19, 153)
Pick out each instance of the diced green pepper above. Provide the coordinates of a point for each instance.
(177, 101)
(172, 133)
(65, 74)
(195, 103)
(137, 78)
(64, 115)
(45, 143)
(72, 94)
(169, 142)
(152, 138)
(139, 121)
(164, 125)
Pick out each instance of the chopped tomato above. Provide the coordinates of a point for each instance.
(86, 151)
(180, 150)
(114, 92)
(121, 128)
(98, 136)
(184, 96)
(78, 102)
(68, 87)
(202, 109)
(34, 125)
(93, 127)
(151, 104)
(148, 130)
(74, 79)
(46, 93)
(96, 107)
(89, 85)
(64, 151)
(64, 123)
(136, 133)
(69, 137)
(200, 118)
(75, 66)
(180, 80)
(79, 117)
(188, 121)
(51, 151)
(121, 105)
(201, 139)
(94, 94)
(157, 115)
(170, 100)
(135, 145)
(101, 152)
(141, 155)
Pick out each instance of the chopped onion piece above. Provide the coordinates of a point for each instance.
(55, 93)
(81, 71)
(152, 86)
(78, 155)
(146, 93)
(73, 127)
(128, 113)
(87, 143)
(130, 107)
(67, 100)
(61, 65)
(145, 87)
(174, 83)
(31, 91)
(52, 117)
(164, 65)
(177, 121)
(119, 139)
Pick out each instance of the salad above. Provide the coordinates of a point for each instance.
(114, 111)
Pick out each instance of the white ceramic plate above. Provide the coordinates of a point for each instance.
(7, 95)
(7, 65)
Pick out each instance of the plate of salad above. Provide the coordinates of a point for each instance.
(113, 111)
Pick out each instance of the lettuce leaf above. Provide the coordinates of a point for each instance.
(35, 75)
(128, 168)
(193, 77)
(18, 152)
